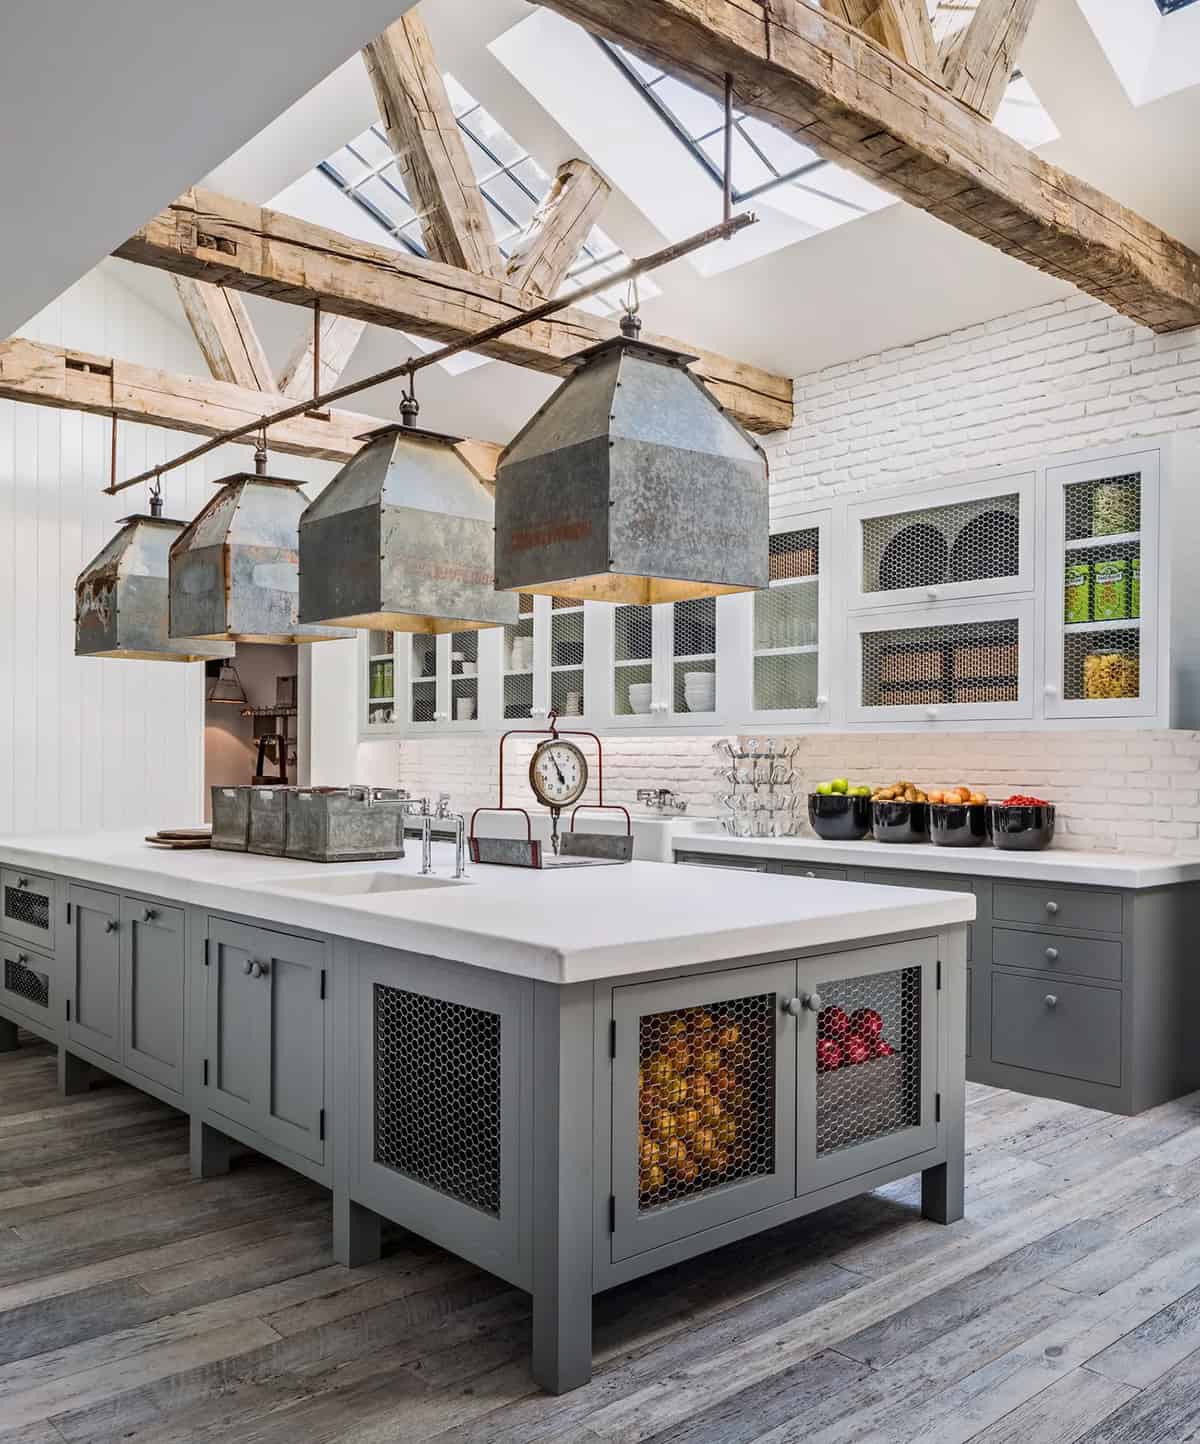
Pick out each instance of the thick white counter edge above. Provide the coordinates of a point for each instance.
(575, 925)
(1055, 864)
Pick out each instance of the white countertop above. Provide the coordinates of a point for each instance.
(565, 926)
(1055, 864)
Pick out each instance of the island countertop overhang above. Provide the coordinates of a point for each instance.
(568, 926)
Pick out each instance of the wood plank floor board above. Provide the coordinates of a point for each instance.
(1154, 1346)
(1168, 1412)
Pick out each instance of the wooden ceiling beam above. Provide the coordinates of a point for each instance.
(249, 248)
(546, 252)
(339, 336)
(901, 26)
(429, 148)
(852, 102)
(978, 60)
(225, 334)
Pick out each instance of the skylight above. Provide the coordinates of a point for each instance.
(1168, 7)
(511, 182)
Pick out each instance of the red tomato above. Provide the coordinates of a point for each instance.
(882, 1048)
(867, 1022)
(829, 1055)
(835, 1021)
(857, 1049)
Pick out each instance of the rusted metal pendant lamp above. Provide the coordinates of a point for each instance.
(402, 539)
(121, 597)
(631, 484)
(235, 569)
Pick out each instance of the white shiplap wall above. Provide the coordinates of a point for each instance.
(86, 743)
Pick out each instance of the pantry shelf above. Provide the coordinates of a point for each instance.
(1091, 543)
(1117, 624)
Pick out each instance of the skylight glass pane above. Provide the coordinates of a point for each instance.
(698, 114)
(749, 172)
(780, 149)
(492, 136)
(349, 165)
(373, 148)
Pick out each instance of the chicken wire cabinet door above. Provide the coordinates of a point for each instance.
(868, 1061)
(1104, 588)
(152, 985)
(439, 1090)
(703, 1103)
(954, 544)
(95, 971)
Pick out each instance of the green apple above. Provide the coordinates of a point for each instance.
(839, 784)
(824, 789)
(860, 792)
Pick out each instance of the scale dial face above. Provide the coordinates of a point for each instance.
(558, 773)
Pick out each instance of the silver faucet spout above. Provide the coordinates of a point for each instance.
(460, 845)
(426, 843)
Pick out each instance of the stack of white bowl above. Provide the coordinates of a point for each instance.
(639, 698)
(700, 691)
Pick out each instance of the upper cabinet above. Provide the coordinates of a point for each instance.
(1007, 598)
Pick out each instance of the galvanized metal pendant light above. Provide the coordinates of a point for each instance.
(402, 539)
(235, 570)
(121, 597)
(632, 484)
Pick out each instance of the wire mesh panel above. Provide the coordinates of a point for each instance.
(786, 624)
(566, 657)
(27, 907)
(518, 661)
(437, 1094)
(958, 662)
(694, 648)
(633, 649)
(381, 678)
(26, 982)
(964, 541)
(424, 678)
(706, 1100)
(464, 676)
(1102, 589)
(868, 1058)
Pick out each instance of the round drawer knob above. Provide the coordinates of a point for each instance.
(793, 1006)
(1051, 1000)
(259, 970)
(810, 873)
(932, 594)
(1051, 908)
(812, 1001)
(22, 882)
(111, 925)
(150, 915)
(1052, 955)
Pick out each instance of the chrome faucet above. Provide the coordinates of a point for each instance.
(460, 845)
(662, 799)
(426, 840)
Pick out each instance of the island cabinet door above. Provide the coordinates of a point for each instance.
(94, 1007)
(703, 1103)
(265, 1029)
(868, 1060)
(152, 973)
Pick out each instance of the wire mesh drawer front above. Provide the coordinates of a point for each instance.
(966, 541)
(868, 1059)
(26, 982)
(706, 1098)
(28, 908)
(961, 662)
(437, 1094)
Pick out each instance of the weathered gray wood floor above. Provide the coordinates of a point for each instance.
(136, 1305)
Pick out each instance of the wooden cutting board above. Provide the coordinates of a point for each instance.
(180, 844)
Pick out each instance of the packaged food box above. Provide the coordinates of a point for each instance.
(910, 666)
(1110, 590)
(1109, 674)
(1135, 587)
(1077, 592)
(986, 659)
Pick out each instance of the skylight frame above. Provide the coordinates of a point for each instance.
(1169, 7)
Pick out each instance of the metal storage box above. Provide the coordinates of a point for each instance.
(337, 824)
(231, 818)
(268, 820)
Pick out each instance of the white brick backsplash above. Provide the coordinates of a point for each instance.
(1056, 378)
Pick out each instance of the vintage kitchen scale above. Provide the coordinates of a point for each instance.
(558, 775)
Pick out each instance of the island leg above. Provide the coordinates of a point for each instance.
(8, 1036)
(562, 1186)
(942, 1185)
(211, 1151)
(356, 1231)
(75, 1075)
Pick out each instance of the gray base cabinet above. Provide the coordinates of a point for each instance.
(94, 1004)
(152, 990)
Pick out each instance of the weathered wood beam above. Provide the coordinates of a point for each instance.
(852, 102)
(249, 248)
(901, 26)
(339, 336)
(225, 334)
(978, 60)
(429, 148)
(546, 252)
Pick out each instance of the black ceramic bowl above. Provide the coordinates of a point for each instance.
(839, 818)
(900, 821)
(1020, 829)
(957, 824)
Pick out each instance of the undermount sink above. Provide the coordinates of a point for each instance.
(357, 884)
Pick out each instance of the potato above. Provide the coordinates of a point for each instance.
(978, 799)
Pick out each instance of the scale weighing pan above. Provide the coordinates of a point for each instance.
(579, 849)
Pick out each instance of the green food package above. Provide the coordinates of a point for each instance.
(1077, 592)
(1135, 587)
(1110, 591)
(1115, 508)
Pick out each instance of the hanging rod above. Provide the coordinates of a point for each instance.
(652, 262)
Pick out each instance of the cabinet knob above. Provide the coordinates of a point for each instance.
(1051, 908)
(246, 966)
(1051, 1000)
(23, 960)
(931, 713)
(259, 970)
(810, 873)
(932, 594)
(1052, 954)
(111, 925)
(22, 882)
(793, 1006)
(150, 915)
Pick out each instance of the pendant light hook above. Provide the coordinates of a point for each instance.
(260, 452)
(156, 500)
(409, 405)
(631, 322)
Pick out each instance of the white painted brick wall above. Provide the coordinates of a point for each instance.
(1058, 378)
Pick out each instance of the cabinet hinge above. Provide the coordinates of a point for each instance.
(937, 1107)
(322, 985)
(939, 974)
(321, 1126)
(612, 1039)
(207, 945)
(206, 1072)
(68, 914)
(68, 1010)
(612, 1213)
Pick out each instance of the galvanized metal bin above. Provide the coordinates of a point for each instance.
(268, 820)
(336, 824)
(231, 818)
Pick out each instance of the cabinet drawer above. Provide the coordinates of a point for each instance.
(1057, 907)
(810, 869)
(716, 859)
(902, 877)
(1073, 1029)
(1056, 952)
(27, 908)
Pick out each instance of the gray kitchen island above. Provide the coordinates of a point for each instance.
(569, 1078)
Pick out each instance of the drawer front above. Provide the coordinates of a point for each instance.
(716, 859)
(1072, 1029)
(27, 908)
(26, 984)
(1056, 907)
(902, 877)
(810, 869)
(1057, 953)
